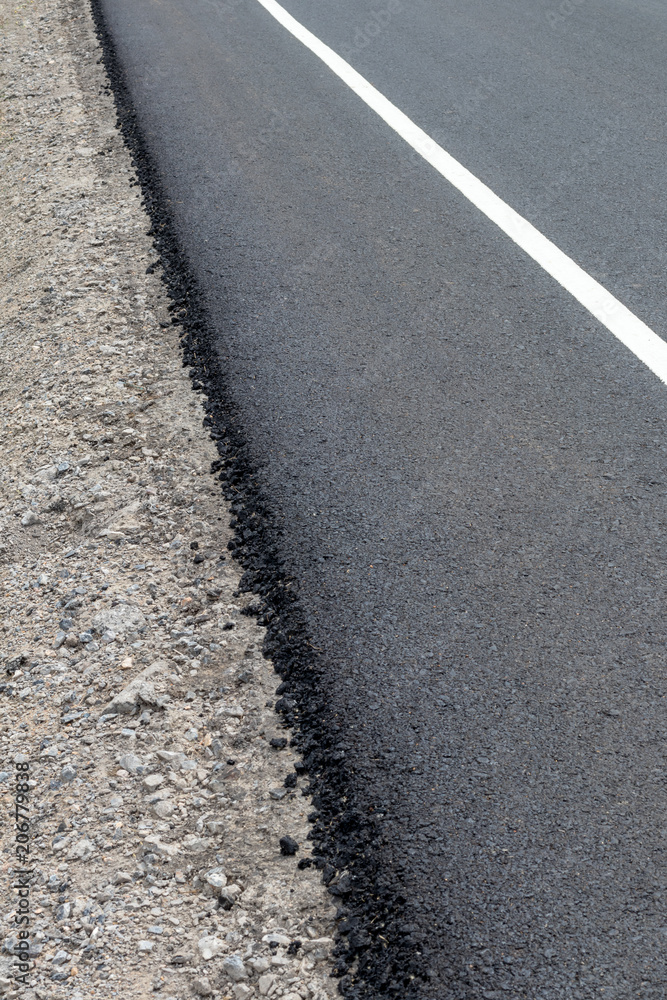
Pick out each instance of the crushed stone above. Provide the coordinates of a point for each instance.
(165, 803)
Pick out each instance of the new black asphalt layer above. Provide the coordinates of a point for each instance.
(467, 469)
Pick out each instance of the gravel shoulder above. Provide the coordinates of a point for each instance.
(133, 684)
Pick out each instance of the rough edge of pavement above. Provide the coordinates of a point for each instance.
(375, 953)
(134, 693)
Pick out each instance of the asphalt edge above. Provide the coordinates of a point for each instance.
(372, 956)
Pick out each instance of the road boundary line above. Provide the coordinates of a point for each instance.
(644, 343)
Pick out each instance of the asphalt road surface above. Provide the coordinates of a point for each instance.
(468, 468)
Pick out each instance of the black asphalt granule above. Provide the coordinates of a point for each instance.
(288, 846)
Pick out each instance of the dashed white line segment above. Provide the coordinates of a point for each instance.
(617, 318)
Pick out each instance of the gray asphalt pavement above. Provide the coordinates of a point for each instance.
(468, 468)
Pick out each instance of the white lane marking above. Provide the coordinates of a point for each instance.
(617, 318)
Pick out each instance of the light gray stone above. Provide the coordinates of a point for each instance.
(138, 692)
(202, 987)
(155, 844)
(216, 878)
(210, 947)
(196, 845)
(216, 826)
(82, 850)
(164, 809)
(130, 762)
(231, 711)
(121, 619)
(172, 757)
(152, 781)
(233, 967)
(276, 939)
(265, 983)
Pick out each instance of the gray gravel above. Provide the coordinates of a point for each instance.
(130, 677)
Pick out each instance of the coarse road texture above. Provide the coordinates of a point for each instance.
(468, 470)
